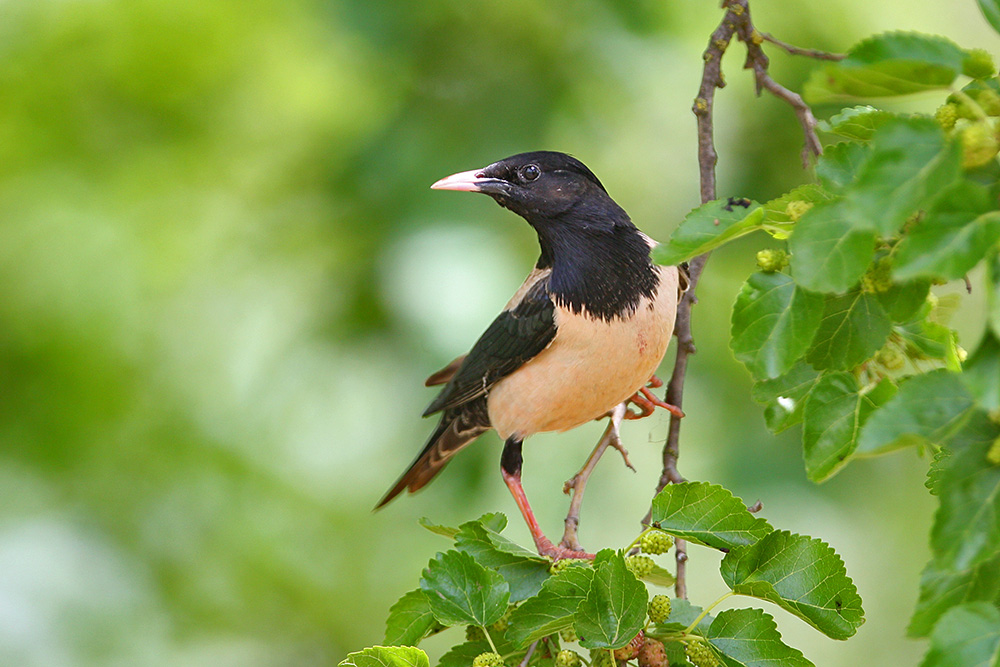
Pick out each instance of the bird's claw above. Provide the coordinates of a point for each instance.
(647, 402)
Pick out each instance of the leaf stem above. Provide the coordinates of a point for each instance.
(973, 104)
(704, 613)
(489, 639)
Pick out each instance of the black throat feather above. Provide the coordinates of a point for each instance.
(600, 267)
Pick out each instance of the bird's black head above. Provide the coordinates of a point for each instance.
(539, 186)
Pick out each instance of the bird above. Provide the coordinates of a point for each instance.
(584, 332)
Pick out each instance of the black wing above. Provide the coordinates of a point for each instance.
(514, 337)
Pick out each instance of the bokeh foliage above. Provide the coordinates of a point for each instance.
(222, 280)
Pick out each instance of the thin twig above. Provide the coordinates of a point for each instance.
(527, 656)
(578, 483)
(735, 22)
(797, 51)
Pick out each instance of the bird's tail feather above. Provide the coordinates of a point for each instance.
(453, 433)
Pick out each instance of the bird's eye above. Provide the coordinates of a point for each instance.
(531, 172)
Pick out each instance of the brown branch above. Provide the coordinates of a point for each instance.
(735, 22)
(796, 51)
(578, 483)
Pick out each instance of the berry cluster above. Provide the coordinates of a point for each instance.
(656, 542)
(659, 608)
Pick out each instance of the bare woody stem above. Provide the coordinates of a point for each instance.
(735, 22)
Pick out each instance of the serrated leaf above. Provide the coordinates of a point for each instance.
(942, 587)
(991, 10)
(750, 638)
(858, 122)
(902, 300)
(966, 636)
(706, 514)
(682, 615)
(931, 339)
(463, 654)
(927, 408)
(460, 591)
(774, 321)
(437, 529)
(660, 576)
(966, 528)
(784, 397)
(777, 221)
(910, 162)
(839, 164)
(834, 414)
(409, 620)
(615, 607)
(981, 373)
(853, 328)
(829, 252)
(896, 63)
(803, 575)
(993, 291)
(553, 608)
(523, 570)
(387, 656)
(709, 226)
(959, 228)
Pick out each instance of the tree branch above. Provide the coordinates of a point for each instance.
(735, 22)
(796, 51)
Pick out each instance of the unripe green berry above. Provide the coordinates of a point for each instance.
(601, 657)
(946, 115)
(961, 353)
(797, 208)
(568, 635)
(567, 658)
(474, 633)
(659, 608)
(641, 566)
(978, 64)
(561, 565)
(488, 660)
(979, 144)
(700, 655)
(656, 542)
(891, 358)
(653, 654)
(772, 259)
(993, 455)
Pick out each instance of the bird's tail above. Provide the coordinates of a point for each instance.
(457, 429)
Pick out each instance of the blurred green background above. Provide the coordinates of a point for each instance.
(223, 279)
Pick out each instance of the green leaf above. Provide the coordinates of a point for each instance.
(853, 328)
(967, 635)
(709, 226)
(777, 221)
(773, 323)
(387, 656)
(834, 414)
(615, 607)
(896, 63)
(463, 592)
(803, 575)
(445, 531)
(857, 122)
(706, 514)
(981, 374)
(902, 301)
(523, 570)
(784, 397)
(993, 291)
(463, 654)
(962, 478)
(660, 576)
(929, 338)
(942, 587)
(409, 621)
(839, 164)
(960, 227)
(929, 407)
(553, 608)
(750, 638)
(991, 10)
(966, 528)
(682, 615)
(910, 162)
(829, 253)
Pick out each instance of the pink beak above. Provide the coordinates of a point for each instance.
(465, 181)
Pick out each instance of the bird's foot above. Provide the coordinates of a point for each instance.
(647, 402)
(559, 552)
